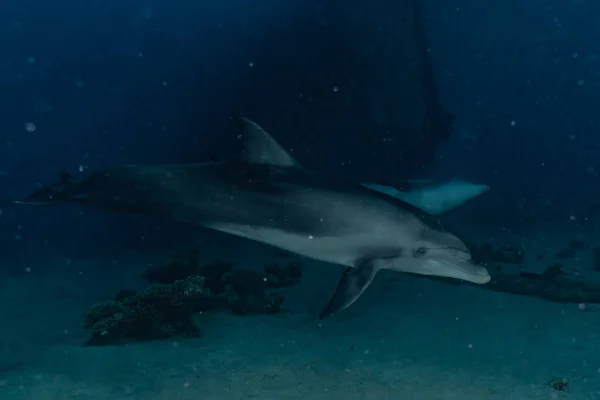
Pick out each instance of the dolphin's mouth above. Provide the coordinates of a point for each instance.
(471, 272)
(464, 270)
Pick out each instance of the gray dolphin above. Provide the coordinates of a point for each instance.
(434, 198)
(266, 196)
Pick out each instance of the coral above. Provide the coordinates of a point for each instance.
(181, 289)
(263, 303)
(277, 277)
(246, 293)
(213, 274)
(157, 312)
(241, 291)
(100, 313)
(125, 294)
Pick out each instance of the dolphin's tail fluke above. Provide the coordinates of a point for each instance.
(65, 191)
(431, 197)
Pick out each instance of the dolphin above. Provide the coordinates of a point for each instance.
(433, 197)
(266, 196)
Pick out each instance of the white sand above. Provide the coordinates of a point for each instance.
(407, 338)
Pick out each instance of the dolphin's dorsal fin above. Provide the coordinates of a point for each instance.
(261, 148)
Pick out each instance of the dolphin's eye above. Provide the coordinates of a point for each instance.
(420, 252)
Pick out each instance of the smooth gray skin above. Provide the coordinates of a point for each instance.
(267, 197)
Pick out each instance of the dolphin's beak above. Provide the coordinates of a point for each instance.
(464, 270)
(471, 272)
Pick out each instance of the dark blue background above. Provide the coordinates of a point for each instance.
(106, 83)
(125, 82)
(522, 61)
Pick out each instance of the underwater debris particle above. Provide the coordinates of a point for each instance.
(30, 127)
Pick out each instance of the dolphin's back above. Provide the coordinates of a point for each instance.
(191, 193)
(243, 194)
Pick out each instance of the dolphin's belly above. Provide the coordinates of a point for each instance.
(342, 250)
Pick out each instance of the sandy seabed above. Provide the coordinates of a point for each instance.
(406, 338)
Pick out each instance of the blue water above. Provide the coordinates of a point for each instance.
(89, 85)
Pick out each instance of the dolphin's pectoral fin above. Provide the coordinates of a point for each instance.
(352, 284)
